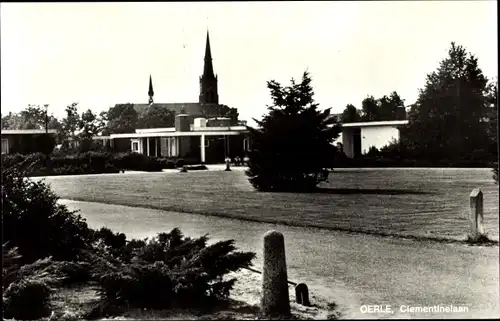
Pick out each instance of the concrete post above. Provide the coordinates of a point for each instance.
(476, 212)
(275, 297)
(202, 147)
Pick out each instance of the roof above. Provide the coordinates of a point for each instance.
(376, 123)
(27, 131)
(189, 108)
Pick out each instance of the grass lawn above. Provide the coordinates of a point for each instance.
(408, 202)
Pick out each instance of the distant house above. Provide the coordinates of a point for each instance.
(24, 141)
(357, 138)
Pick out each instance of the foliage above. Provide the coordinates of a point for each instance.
(34, 222)
(156, 116)
(447, 120)
(294, 147)
(69, 125)
(32, 117)
(229, 112)
(383, 109)
(122, 118)
(389, 107)
(90, 163)
(369, 106)
(49, 246)
(26, 300)
(10, 264)
(196, 167)
(350, 114)
(171, 269)
(138, 162)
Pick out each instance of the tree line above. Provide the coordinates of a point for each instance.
(386, 108)
(454, 117)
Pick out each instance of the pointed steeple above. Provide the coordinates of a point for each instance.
(208, 69)
(208, 81)
(150, 92)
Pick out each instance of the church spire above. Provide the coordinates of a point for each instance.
(208, 81)
(150, 92)
(208, 69)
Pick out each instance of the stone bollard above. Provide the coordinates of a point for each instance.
(302, 294)
(275, 297)
(476, 213)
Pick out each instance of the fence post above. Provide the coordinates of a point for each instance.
(476, 213)
(302, 294)
(275, 297)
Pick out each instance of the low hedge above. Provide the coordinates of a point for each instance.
(88, 163)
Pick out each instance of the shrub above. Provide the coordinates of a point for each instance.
(26, 300)
(171, 269)
(180, 162)
(196, 167)
(57, 272)
(10, 265)
(137, 162)
(34, 222)
(63, 164)
(110, 239)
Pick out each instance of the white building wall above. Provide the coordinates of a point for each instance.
(378, 136)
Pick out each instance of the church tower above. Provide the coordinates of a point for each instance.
(150, 92)
(208, 81)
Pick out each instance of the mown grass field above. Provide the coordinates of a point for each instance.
(407, 202)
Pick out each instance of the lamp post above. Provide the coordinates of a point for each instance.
(46, 119)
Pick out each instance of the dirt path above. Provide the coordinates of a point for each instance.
(348, 269)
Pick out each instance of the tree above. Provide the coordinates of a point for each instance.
(293, 148)
(351, 114)
(491, 114)
(32, 117)
(70, 125)
(447, 120)
(370, 109)
(89, 126)
(122, 118)
(12, 121)
(388, 107)
(229, 112)
(156, 116)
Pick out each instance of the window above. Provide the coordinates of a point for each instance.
(135, 146)
(246, 144)
(5, 146)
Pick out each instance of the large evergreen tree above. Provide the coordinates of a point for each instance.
(292, 149)
(447, 120)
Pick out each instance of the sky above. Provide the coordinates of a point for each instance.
(100, 54)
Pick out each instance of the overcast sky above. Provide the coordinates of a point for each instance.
(100, 54)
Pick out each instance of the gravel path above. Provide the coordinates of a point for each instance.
(351, 270)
